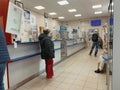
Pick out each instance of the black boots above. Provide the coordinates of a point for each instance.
(95, 55)
(98, 71)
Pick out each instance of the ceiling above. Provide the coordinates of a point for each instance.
(83, 7)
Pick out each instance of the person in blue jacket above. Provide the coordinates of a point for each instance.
(4, 57)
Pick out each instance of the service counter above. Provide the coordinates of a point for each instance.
(73, 47)
(26, 62)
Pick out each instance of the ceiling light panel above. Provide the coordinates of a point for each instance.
(72, 10)
(63, 2)
(52, 13)
(112, 4)
(111, 10)
(96, 6)
(39, 7)
(78, 15)
(99, 12)
(61, 17)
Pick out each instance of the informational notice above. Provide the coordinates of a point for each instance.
(28, 31)
(14, 19)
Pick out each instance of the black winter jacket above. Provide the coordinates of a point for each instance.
(47, 47)
(95, 37)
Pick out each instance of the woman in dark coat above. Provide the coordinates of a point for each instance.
(47, 52)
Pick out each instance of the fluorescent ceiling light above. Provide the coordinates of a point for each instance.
(99, 12)
(112, 4)
(111, 10)
(63, 2)
(52, 13)
(61, 17)
(96, 6)
(78, 15)
(39, 7)
(72, 10)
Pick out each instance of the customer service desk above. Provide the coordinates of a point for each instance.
(26, 62)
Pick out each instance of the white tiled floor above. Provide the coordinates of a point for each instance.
(75, 73)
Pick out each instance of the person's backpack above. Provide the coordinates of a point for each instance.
(94, 37)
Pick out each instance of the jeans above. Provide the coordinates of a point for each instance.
(95, 44)
(2, 71)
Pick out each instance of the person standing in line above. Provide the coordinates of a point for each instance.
(95, 43)
(47, 51)
(4, 57)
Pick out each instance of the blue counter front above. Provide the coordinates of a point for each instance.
(27, 62)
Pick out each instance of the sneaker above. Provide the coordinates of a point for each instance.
(95, 55)
(97, 71)
(110, 72)
(101, 71)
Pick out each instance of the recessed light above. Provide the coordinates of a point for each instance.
(112, 4)
(96, 6)
(72, 10)
(61, 17)
(63, 2)
(19, 0)
(99, 12)
(78, 15)
(39, 7)
(111, 10)
(52, 13)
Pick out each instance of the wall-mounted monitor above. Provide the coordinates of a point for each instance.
(96, 22)
(111, 21)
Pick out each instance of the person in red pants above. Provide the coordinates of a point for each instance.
(47, 52)
(49, 68)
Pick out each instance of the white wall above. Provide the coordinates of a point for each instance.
(40, 20)
(84, 25)
(51, 23)
(116, 46)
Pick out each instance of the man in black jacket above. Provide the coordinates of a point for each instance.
(47, 52)
(4, 57)
(95, 43)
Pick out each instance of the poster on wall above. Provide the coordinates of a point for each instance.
(33, 20)
(46, 23)
(91, 30)
(28, 32)
(27, 15)
(14, 19)
(25, 27)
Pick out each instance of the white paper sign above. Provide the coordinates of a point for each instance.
(13, 19)
(32, 20)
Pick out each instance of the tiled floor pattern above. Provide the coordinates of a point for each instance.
(75, 73)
